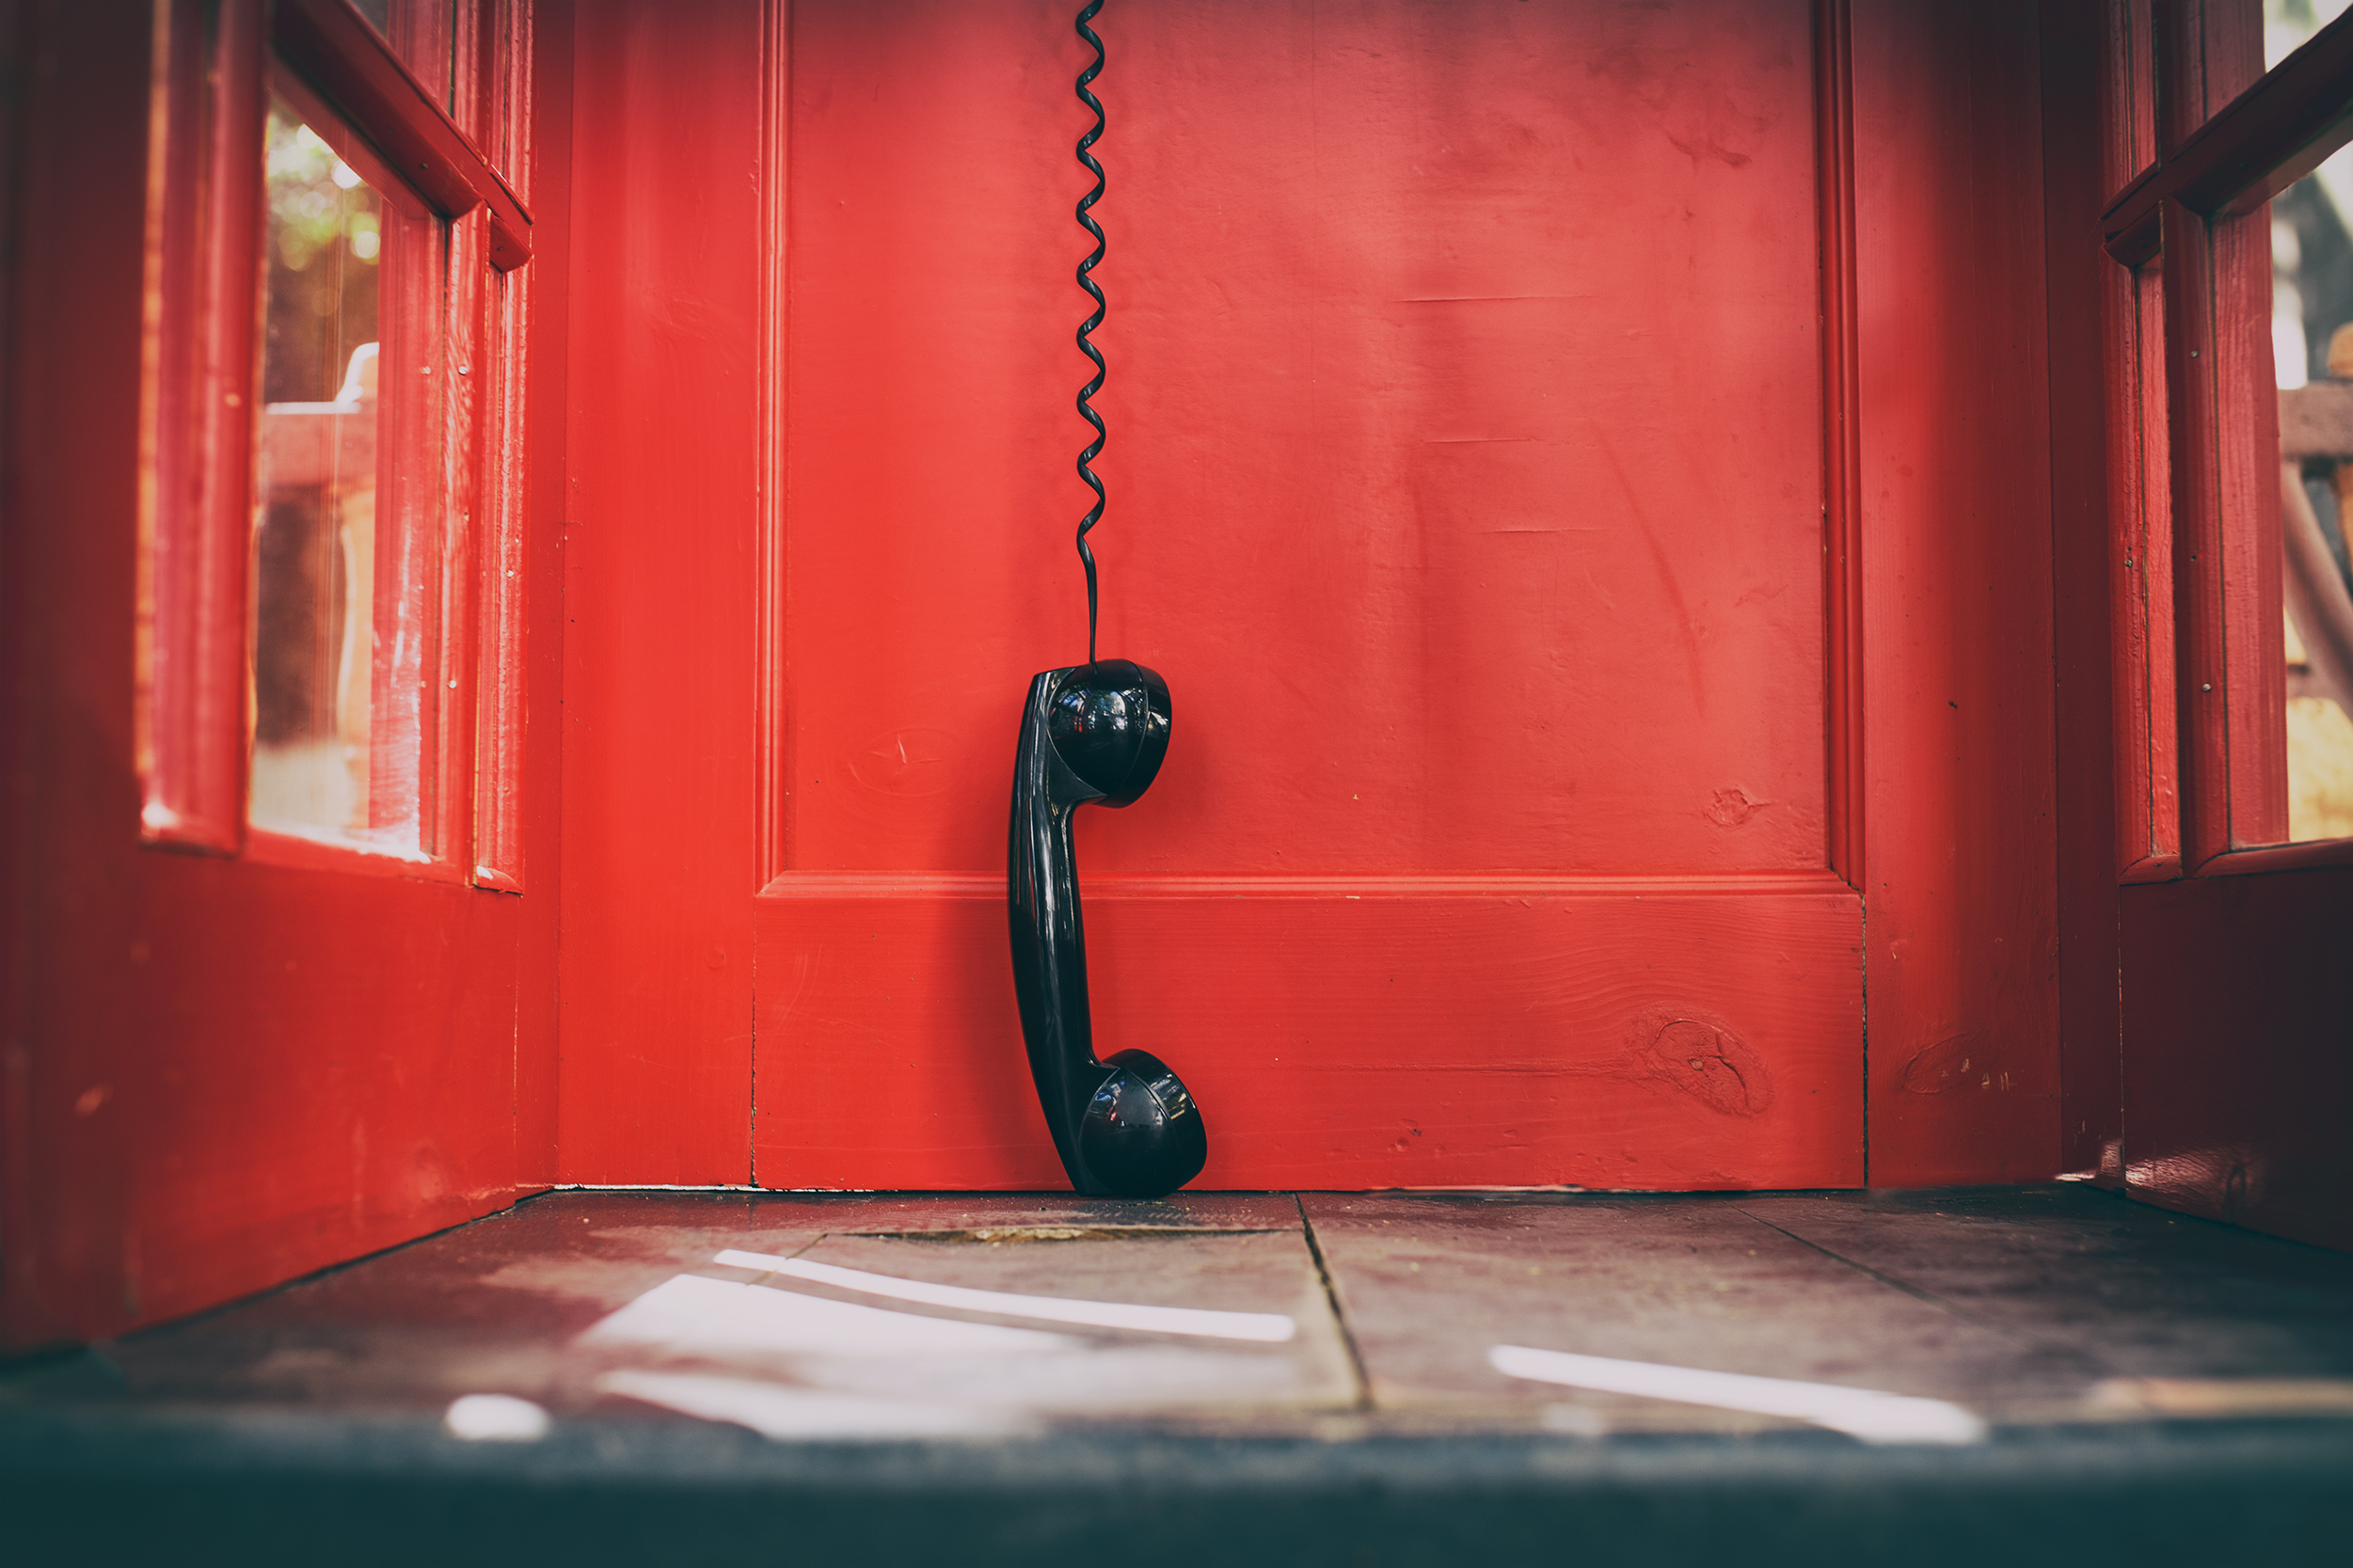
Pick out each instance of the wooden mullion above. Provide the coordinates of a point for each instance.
(2269, 135)
(2141, 557)
(2128, 108)
(469, 74)
(511, 147)
(463, 408)
(420, 35)
(2150, 581)
(504, 91)
(2178, 51)
(373, 87)
(499, 663)
(197, 421)
(2202, 671)
(2247, 474)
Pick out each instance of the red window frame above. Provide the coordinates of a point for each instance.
(2199, 139)
(209, 92)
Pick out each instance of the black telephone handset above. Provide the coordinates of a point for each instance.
(1126, 1127)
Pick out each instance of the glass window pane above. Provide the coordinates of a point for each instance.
(343, 634)
(2311, 331)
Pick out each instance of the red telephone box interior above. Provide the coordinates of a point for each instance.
(1644, 512)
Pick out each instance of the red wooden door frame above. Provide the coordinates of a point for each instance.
(221, 1071)
(1956, 489)
(2205, 988)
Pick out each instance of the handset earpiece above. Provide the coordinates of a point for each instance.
(1126, 1127)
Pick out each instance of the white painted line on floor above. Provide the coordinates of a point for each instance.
(1865, 1412)
(1264, 1327)
(691, 1315)
(777, 1411)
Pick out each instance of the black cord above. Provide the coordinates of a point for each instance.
(1094, 448)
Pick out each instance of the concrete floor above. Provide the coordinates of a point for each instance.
(2030, 1374)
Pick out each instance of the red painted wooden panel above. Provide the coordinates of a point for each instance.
(314, 1066)
(2236, 992)
(1467, 484)
(659, 821)
(1465, 458)
(68, 528)
(2231, 690)
(2083, 98)
(1379, 1032)
(1957, 565)
(538, 1015)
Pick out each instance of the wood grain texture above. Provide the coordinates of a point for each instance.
(1957, 570)
(2141, 549)
(2128, 97)
(2209, 51)
(659, 822)
(1366, 1035)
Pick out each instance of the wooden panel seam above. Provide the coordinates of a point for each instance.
(1842, 474)
(774, 680)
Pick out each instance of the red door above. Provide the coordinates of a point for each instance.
(1467, 484)
(1568, 631)
(270, 982)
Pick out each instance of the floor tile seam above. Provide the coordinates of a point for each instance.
(1340, 1318)
(2000, 1331)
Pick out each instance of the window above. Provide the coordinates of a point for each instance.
(2235, 662)
(331, 508)
(347, 488)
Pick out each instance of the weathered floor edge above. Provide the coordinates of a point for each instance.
(92, 1486)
